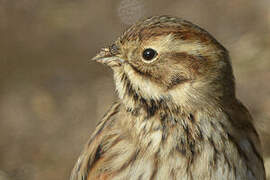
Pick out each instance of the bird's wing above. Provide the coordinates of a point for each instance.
(98, 144)
(247, 138)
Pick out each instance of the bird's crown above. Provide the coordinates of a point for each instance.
(165, 57)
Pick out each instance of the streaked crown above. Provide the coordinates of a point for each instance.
(164, 57)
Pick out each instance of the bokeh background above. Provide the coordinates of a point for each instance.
(51, 96)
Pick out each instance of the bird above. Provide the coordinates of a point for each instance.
(177, 115)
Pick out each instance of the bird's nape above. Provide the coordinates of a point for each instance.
(177, 116)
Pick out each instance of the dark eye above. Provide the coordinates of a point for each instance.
(149, 54)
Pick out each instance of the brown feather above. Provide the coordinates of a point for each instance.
(177, 115)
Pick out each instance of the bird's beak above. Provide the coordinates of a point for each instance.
(106, 57)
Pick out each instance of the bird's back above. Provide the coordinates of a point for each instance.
(177, 115)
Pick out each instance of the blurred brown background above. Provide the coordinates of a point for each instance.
(51, 96)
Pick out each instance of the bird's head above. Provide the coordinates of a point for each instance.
(167, 58)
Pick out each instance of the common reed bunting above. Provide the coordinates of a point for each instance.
(177, 116)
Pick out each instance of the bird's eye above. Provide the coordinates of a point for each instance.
(149, 54)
